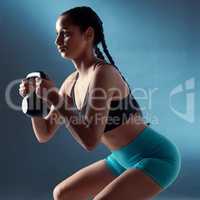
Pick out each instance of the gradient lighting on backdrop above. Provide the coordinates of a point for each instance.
(154, 44)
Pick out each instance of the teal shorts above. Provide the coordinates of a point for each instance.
(151, 152)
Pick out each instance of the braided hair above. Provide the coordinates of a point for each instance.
(84, 17)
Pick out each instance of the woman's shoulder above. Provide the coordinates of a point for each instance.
(110, 75)
(109, 70)
(103, 68)
(102, 64)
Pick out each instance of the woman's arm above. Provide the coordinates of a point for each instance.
(90, 127)
(40, 128)
(45, 128)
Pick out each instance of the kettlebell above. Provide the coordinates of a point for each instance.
(32, 105)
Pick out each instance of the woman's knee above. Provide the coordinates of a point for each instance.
(57, 193)
(60, 193)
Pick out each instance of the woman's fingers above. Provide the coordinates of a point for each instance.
(38, 81)
(23, 92)
(26, 87)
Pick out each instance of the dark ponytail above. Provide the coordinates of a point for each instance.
(98, 53)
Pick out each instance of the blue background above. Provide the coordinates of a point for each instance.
(154, 43)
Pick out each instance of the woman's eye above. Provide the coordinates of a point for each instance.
(66, 34)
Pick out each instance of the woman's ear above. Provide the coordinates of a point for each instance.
(89, 34)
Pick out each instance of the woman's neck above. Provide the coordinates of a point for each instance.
(83, 66)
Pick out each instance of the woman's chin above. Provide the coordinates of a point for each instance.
(64, 54)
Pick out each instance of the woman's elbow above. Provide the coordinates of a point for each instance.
(43, 139)
(45, 136)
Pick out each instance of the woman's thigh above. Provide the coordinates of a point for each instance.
(85, 183)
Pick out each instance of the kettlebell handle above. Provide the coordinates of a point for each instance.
(33, 106)
(39, 74)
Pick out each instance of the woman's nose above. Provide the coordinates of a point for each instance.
(58, 41)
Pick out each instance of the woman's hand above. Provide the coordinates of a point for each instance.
(26, 87)
(45, 88)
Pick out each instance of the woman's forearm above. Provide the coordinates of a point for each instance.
(40, 128)
(74, 121)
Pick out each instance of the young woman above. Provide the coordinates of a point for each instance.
(142, 162)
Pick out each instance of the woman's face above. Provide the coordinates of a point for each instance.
(69, 41)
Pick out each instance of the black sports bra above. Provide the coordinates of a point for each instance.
(120, 110)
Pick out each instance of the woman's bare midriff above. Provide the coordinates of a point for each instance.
(123, 134)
